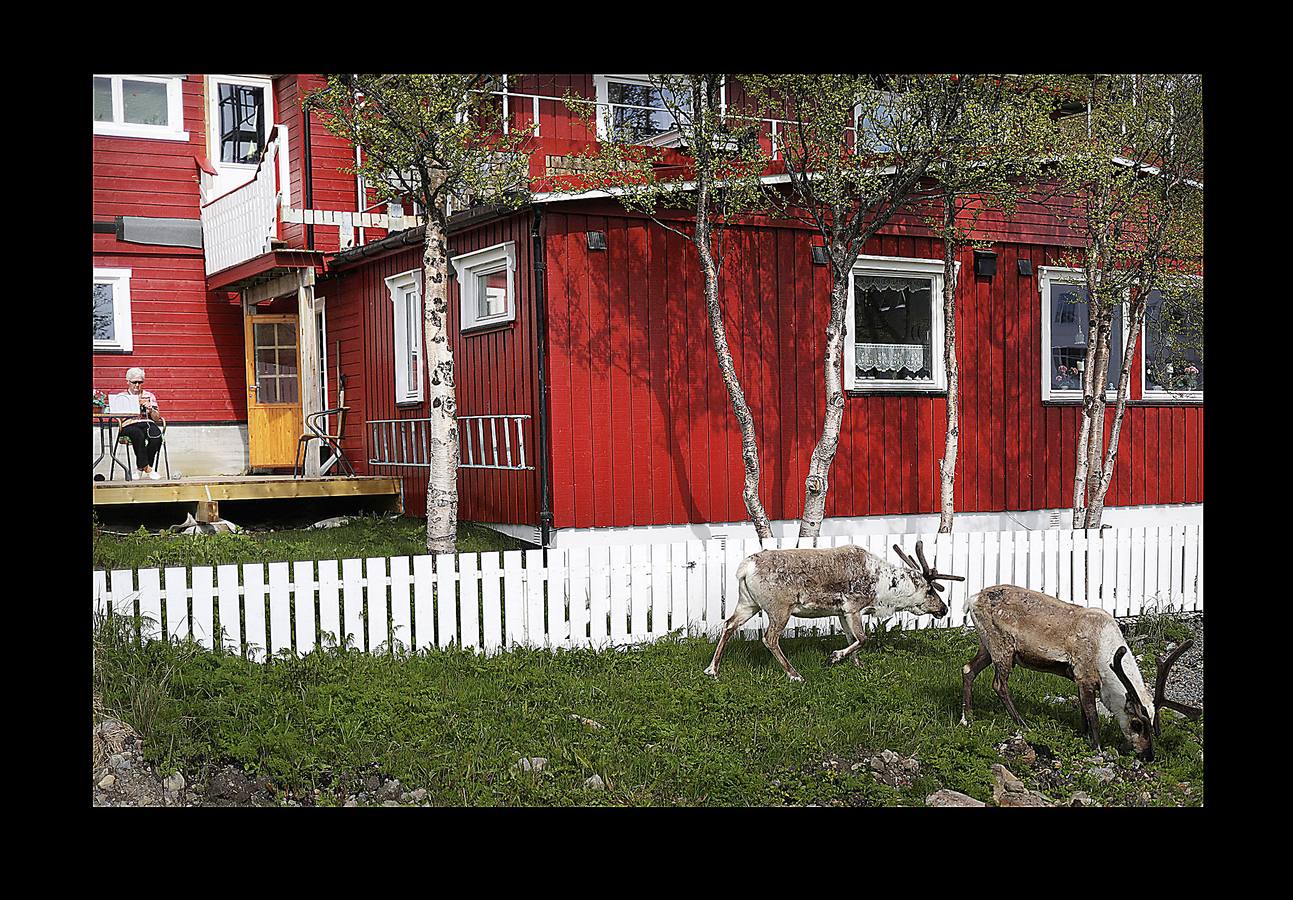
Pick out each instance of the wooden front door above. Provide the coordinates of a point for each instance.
(274, 419)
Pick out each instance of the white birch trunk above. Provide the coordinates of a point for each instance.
(1095, 510)
(947, 468)
(722, 350)
(817, 483)
(442, 482)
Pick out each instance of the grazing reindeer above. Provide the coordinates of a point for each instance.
(1021, 627)
(837, 581)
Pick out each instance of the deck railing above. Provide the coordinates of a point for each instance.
(484, 442)
(239, 225)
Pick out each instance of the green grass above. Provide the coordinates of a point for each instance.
(456, 723)
(362, 536)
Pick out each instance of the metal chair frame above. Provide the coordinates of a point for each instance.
(314, 422)
(120, 441)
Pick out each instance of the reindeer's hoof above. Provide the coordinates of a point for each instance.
(964, 720)
(711, 672)
(836, 658)
(796, 677)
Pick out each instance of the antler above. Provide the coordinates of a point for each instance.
(1163, 667)
(1122, 676)
(923, 568)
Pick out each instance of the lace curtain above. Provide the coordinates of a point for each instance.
(891, 357)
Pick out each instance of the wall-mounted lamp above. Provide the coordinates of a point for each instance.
(1025, 267)
(985, 263)
(596, 240)
(819, 256)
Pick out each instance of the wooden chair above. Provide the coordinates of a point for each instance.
(316, 423)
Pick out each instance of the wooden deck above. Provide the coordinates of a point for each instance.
(242, 487)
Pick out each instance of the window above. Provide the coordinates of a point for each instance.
(147, 106)
(241, 109)
(895, 319)
(1065, 335)
(406, 298)
(1173, 348)
(112, 310)
(487, 286)
(635, 109)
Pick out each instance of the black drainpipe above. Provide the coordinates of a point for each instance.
(541, 317)
(307, 177)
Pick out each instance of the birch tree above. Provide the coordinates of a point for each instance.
(994, 152)
(1135, 168)
(432, 138)
(718, 180)
(855, 149)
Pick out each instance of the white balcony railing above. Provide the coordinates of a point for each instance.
(241, 224)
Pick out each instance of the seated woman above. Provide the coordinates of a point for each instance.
(143, 430)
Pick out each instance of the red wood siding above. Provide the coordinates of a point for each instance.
(188, 339)
(332, 187)
(494, 370)
(638, 405)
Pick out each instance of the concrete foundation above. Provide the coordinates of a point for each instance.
(194, 450)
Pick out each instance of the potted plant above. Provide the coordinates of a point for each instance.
(100, 402)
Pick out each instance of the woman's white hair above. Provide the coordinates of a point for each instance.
(134, 374)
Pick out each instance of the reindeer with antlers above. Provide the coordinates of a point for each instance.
(1018, 626)
(836, 581)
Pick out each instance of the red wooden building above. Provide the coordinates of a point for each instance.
(580, 341)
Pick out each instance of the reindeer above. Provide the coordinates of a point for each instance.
(837, 581)
(1017, 626)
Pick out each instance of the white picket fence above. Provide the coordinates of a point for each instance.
(611, 595)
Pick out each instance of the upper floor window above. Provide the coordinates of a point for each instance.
(112, 310)
(240, 112)
(1066, 335)
(634, 108)
(146, 106)
(1173, 349)
(486, 285)
(895, 316)
(406, 298)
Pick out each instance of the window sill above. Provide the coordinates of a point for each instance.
(112, 129)
(113, 349)
(488, 327)
(408, 404)
(889, 391)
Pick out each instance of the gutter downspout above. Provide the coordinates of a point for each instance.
(541, 318)
(307, 177)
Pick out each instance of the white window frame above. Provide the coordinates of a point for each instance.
(468, 267)
(123, 342)
(1158, 396)
(601, 85)
(1047, 276)
(897, 266)
(401, 287)
(213, 122)
(173, 130)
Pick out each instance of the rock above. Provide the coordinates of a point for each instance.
(229, 783)
(389, 791)
(334, 522)
(1081, 799)
(947, 797)
(1020, 750)
(590, 723)
(372, 783)
(174, 783)
(418, 795)
(1103, 774)
(119, 761)
(594, 783)
(390, 803)
(107, 781)
(1008, 790)
(532, 764)
(351, 802)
